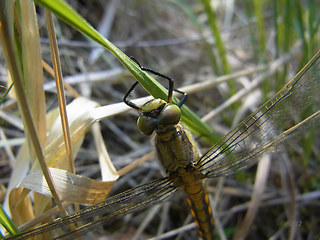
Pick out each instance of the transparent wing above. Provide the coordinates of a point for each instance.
(123, 203)
(271, 125)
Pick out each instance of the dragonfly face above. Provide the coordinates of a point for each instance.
(262, 132)
(157, 115)
(175, 147)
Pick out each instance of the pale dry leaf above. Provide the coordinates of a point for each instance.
(81, 115)
(71, 187)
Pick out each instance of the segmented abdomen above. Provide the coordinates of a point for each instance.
(200, 208)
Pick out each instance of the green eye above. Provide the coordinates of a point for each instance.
(146, 125)
(171, 114)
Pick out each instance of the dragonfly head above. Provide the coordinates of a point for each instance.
(155, 113)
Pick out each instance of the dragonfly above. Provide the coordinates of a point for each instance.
(264, 131)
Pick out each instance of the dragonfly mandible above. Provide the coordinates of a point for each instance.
(262, 132)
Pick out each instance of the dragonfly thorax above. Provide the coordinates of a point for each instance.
(158, 113)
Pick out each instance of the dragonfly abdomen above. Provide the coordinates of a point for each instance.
(198, 201)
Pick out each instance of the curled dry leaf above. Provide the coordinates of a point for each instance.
(82, 113)
(71, 187)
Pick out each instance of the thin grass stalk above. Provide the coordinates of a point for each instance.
(219, 42)
(60, 89)
(313, 23)
(4, 96)
(300, 28)
(258, 10)
(279, 26)
(216, 34)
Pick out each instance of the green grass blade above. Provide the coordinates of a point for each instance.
(63, 11)
(216, 33)
(6, 94)
(260, 22)
(7, 223)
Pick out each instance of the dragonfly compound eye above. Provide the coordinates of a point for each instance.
(171, 114)
(146, 125)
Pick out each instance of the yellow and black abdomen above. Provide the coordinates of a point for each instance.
(200, 208)
(198, 201)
